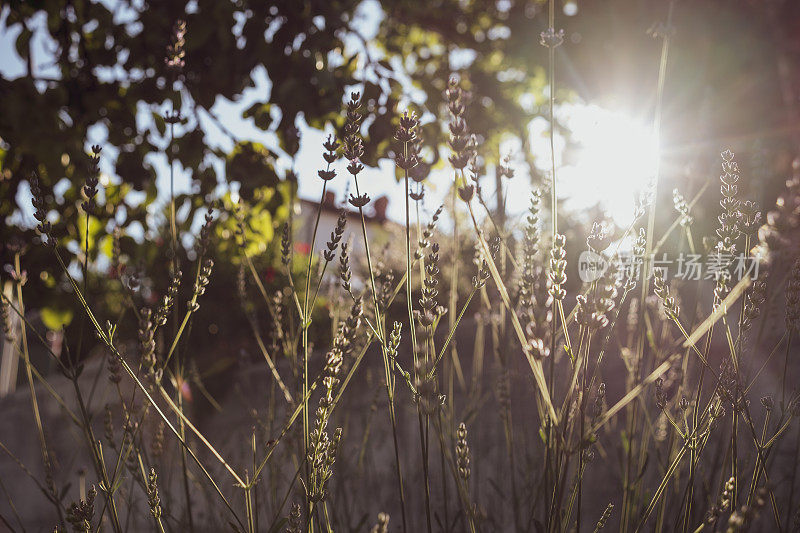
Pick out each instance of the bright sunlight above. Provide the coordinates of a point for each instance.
(613, 160)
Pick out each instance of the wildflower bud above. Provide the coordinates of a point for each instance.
(768, 403)
(293, 521)
(383, 524)
(661, 290)
(344, 267)
(359, 201)
(466, 192)
(326, 175)
(153, 500)
(660, 395)
(5, 315)
(683, 403)
(175, 51)
(81, 514)
(601, 523)
(331, 146)
(551, 38)
(599, 238)
(286, 245)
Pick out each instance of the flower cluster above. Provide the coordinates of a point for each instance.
(729, 387)
(168, 299)
(331, 155)
(728, 231)
(599, 237)
(593, 309)
(322, 458)
(660, 394)
(40, 213)
(429, 288)
(157, 440)
(114, 367)
(460, 140)
(756, 297)
(462, 453)
(359, 201)
(466, 192)
(601, 523)
(286, 244)
(383, 524)
(92, 180)
(336, 237)
(682, 207)
(5, 316)
(661, 290)
(175, 50)
(147, 343)
(551, 37)
(81, 514)
(426, 386)
(749, 218)
(503, 168)
(205, 232)
(406, 134)
(425, 239)
(534, 298)
(294, 520)
(637, 259)
(353, 146)
(153, 499)
(558, 267)
(530, 240)
(343, 342)
(202, 282)
(722, 504)
(344, 267)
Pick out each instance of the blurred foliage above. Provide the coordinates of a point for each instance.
(107, 68)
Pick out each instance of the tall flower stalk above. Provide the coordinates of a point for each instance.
(354, 151)
(665, 33)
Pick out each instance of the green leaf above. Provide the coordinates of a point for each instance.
(55, 319)
(161, 124)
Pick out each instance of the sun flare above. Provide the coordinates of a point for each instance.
(613, 161)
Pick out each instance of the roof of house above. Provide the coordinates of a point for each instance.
(374, 212)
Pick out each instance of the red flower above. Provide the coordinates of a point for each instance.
(302, 248)
(269, 274)
(186, 391)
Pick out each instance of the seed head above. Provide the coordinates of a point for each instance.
(462, 453)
